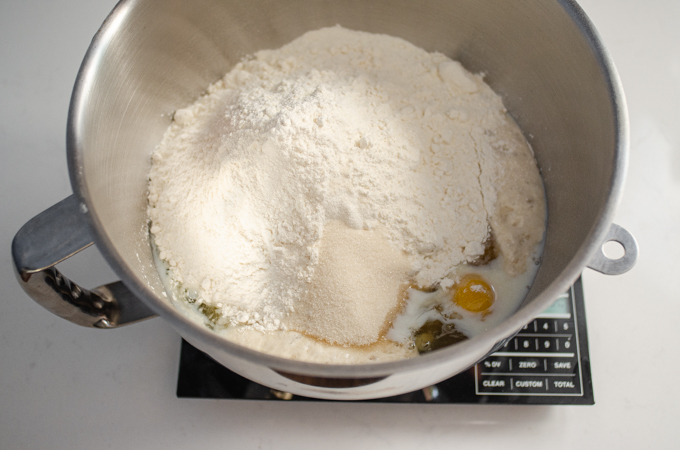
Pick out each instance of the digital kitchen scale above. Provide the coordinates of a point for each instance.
(547, 362)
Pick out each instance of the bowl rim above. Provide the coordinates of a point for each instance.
(477, 347)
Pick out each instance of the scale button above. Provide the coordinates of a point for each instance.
(528, 365)
(523, 344)
(562, 365)
(547, 344)
(565, 326)
(565, 344)
(488, 384)
(530, 385)
(531, 327)
(529, 344)
(545, 326)
(564, 385)
(495, 364)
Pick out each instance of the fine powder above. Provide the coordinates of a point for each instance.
(311, 182)
(355, 286)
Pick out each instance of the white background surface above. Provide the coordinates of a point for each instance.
(66, 387)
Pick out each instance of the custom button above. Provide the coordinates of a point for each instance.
(530, 385)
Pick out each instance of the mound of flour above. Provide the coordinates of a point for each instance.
(337, 126)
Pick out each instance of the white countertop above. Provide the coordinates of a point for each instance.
(66, 387)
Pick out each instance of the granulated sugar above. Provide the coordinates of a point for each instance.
(355, 287)
(396, 147)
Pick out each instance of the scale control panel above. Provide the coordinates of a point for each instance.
(543, 360)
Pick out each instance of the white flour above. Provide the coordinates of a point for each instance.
(338, 125)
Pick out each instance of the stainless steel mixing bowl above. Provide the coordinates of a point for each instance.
(151, 57)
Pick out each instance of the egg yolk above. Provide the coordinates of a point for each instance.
(474, 294)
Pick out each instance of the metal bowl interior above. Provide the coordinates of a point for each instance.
(151, 57)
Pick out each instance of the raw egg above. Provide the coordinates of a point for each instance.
(474, 294)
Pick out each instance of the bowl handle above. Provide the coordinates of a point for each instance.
(51, 237)
(608, 266)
